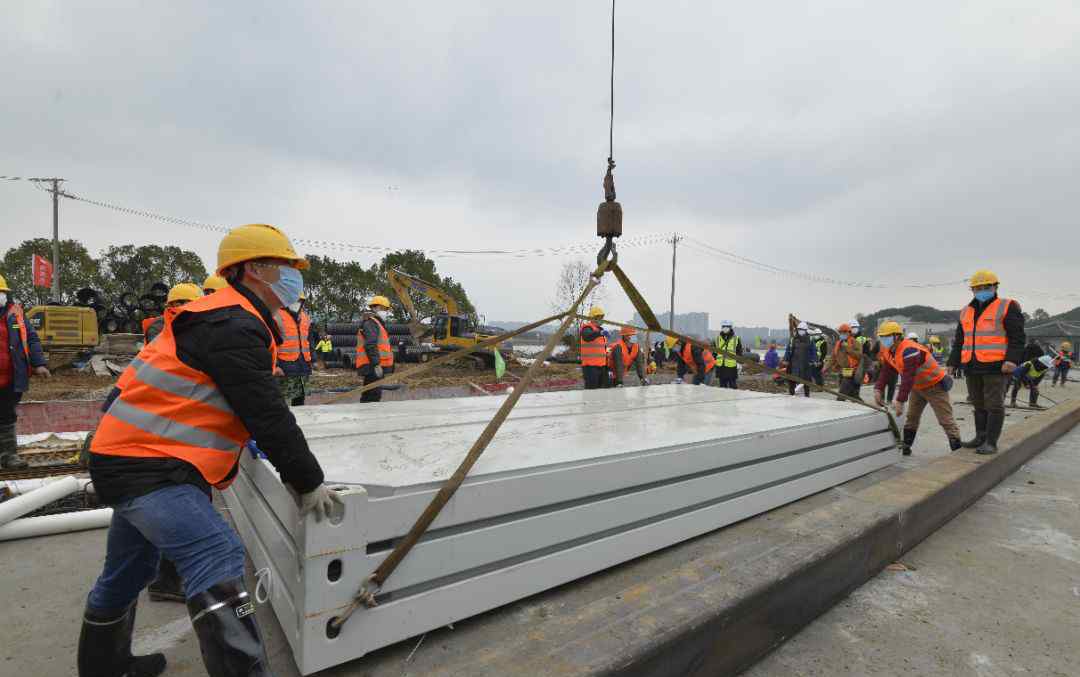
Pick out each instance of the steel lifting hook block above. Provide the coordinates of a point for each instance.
(609, 213)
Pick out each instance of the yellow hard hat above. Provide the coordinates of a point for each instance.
(981, 277)
(379, 301)
(934, 339)
(185, 291)
(214, 283)
(670, 341)
(888, 328)
(3, 284)
(256, 241)
(1065, 345)
(596, 311)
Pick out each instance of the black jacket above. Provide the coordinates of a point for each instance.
(1014, 331)
(230, 346)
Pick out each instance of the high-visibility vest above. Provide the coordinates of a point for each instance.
(706, 354)
(324, 346)
(928, 375)
(294, 337)
(629, 355)
(146, 324)
(846, 362)
(1033, 371)
(594, 352)
(984, 337)
(386, 353)
(728, 345)
(169, 409)
(16, 311)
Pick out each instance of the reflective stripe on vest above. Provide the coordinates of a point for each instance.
(294, 338)
(852, 360)
(169, 409)
(706, 354)
(386, 353)
(16, 311)
(927, 375)
(725, 348)
(627, 358)
(985, 338)
(594, 352)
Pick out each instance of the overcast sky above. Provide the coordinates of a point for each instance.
(899, 143)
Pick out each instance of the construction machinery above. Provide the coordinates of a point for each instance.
(450, 329)
(65, 331)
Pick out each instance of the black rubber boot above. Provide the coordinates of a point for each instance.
(105, 647)
(993, 432)
(9, 449)
(1033, 399)
(167, 587)
(909, 439)
(980, 431)
(224, 620)
(955, 443)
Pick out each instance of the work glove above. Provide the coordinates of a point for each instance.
(377, 371)
(321, 501)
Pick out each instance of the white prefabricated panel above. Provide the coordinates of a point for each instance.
(574, 482)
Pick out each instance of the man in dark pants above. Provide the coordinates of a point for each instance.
(593, 345)
(374, 354)
(989, 344)
(178, 422)
(728, 347)
(695, 360)
(20, 354)
(799, 358)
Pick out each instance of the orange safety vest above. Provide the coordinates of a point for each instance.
(294, 338)
(629, 355)
(852, 362)
(984, 337)
(929, 374)
(169, 409)
(706, 354)
(594, 352)
(386, 353)
(146, 324)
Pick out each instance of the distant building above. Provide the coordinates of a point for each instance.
(691, 324)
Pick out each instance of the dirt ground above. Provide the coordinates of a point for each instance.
(67, 384)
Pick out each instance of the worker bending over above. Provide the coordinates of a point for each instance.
(180, 295)
(988, 346)
(294, 354)
(922, 379)
(186, 406)
(1062, 364)
(1030, 374)
(728, 347)
(849, 361)
(799, 358)
(374, 355)
(622, 354)
(695, 360)
(20, 356)
(592, 341)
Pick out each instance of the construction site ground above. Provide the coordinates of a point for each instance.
(992, 593)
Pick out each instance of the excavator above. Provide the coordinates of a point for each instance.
(450, 329)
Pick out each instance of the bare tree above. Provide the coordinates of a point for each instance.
(573, 278)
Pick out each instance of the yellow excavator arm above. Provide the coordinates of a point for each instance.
(403, 283)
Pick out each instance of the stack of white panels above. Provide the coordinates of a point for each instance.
(573, 483)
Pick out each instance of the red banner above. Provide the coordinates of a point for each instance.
(43, 272)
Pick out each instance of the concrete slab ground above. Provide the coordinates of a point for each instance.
(46, 580)
(994, 592)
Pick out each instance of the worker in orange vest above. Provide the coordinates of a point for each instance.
(922, 381)
(695, 360)
(988, 345)
(847, 360)
(179, 295)
(374, 354)
(593, 344)
(20, 356)
(187, 407)
(622, 354)
(294, 353)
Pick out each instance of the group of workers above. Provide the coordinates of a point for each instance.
(605, 359)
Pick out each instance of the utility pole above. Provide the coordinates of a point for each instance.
(56, 240)
(671, 318)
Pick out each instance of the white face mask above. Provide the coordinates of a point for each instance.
(3, 298)
(381, 314)
(295, 307)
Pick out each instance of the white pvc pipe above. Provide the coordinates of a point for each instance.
(20, 487)
(53, 491)
(82, 520)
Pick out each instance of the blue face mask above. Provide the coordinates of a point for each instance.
(289, 286)
(887, 341)
(984, 295)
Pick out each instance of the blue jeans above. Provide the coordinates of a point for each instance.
(178, 521)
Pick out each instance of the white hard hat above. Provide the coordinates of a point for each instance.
(1047, 361)
(803, 325)
(854, 323)
(913, 336)
(726, 323)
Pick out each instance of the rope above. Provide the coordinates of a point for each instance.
(366, 595)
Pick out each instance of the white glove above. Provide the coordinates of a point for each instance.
(321, 501)
(377, 371)
(644, 381)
